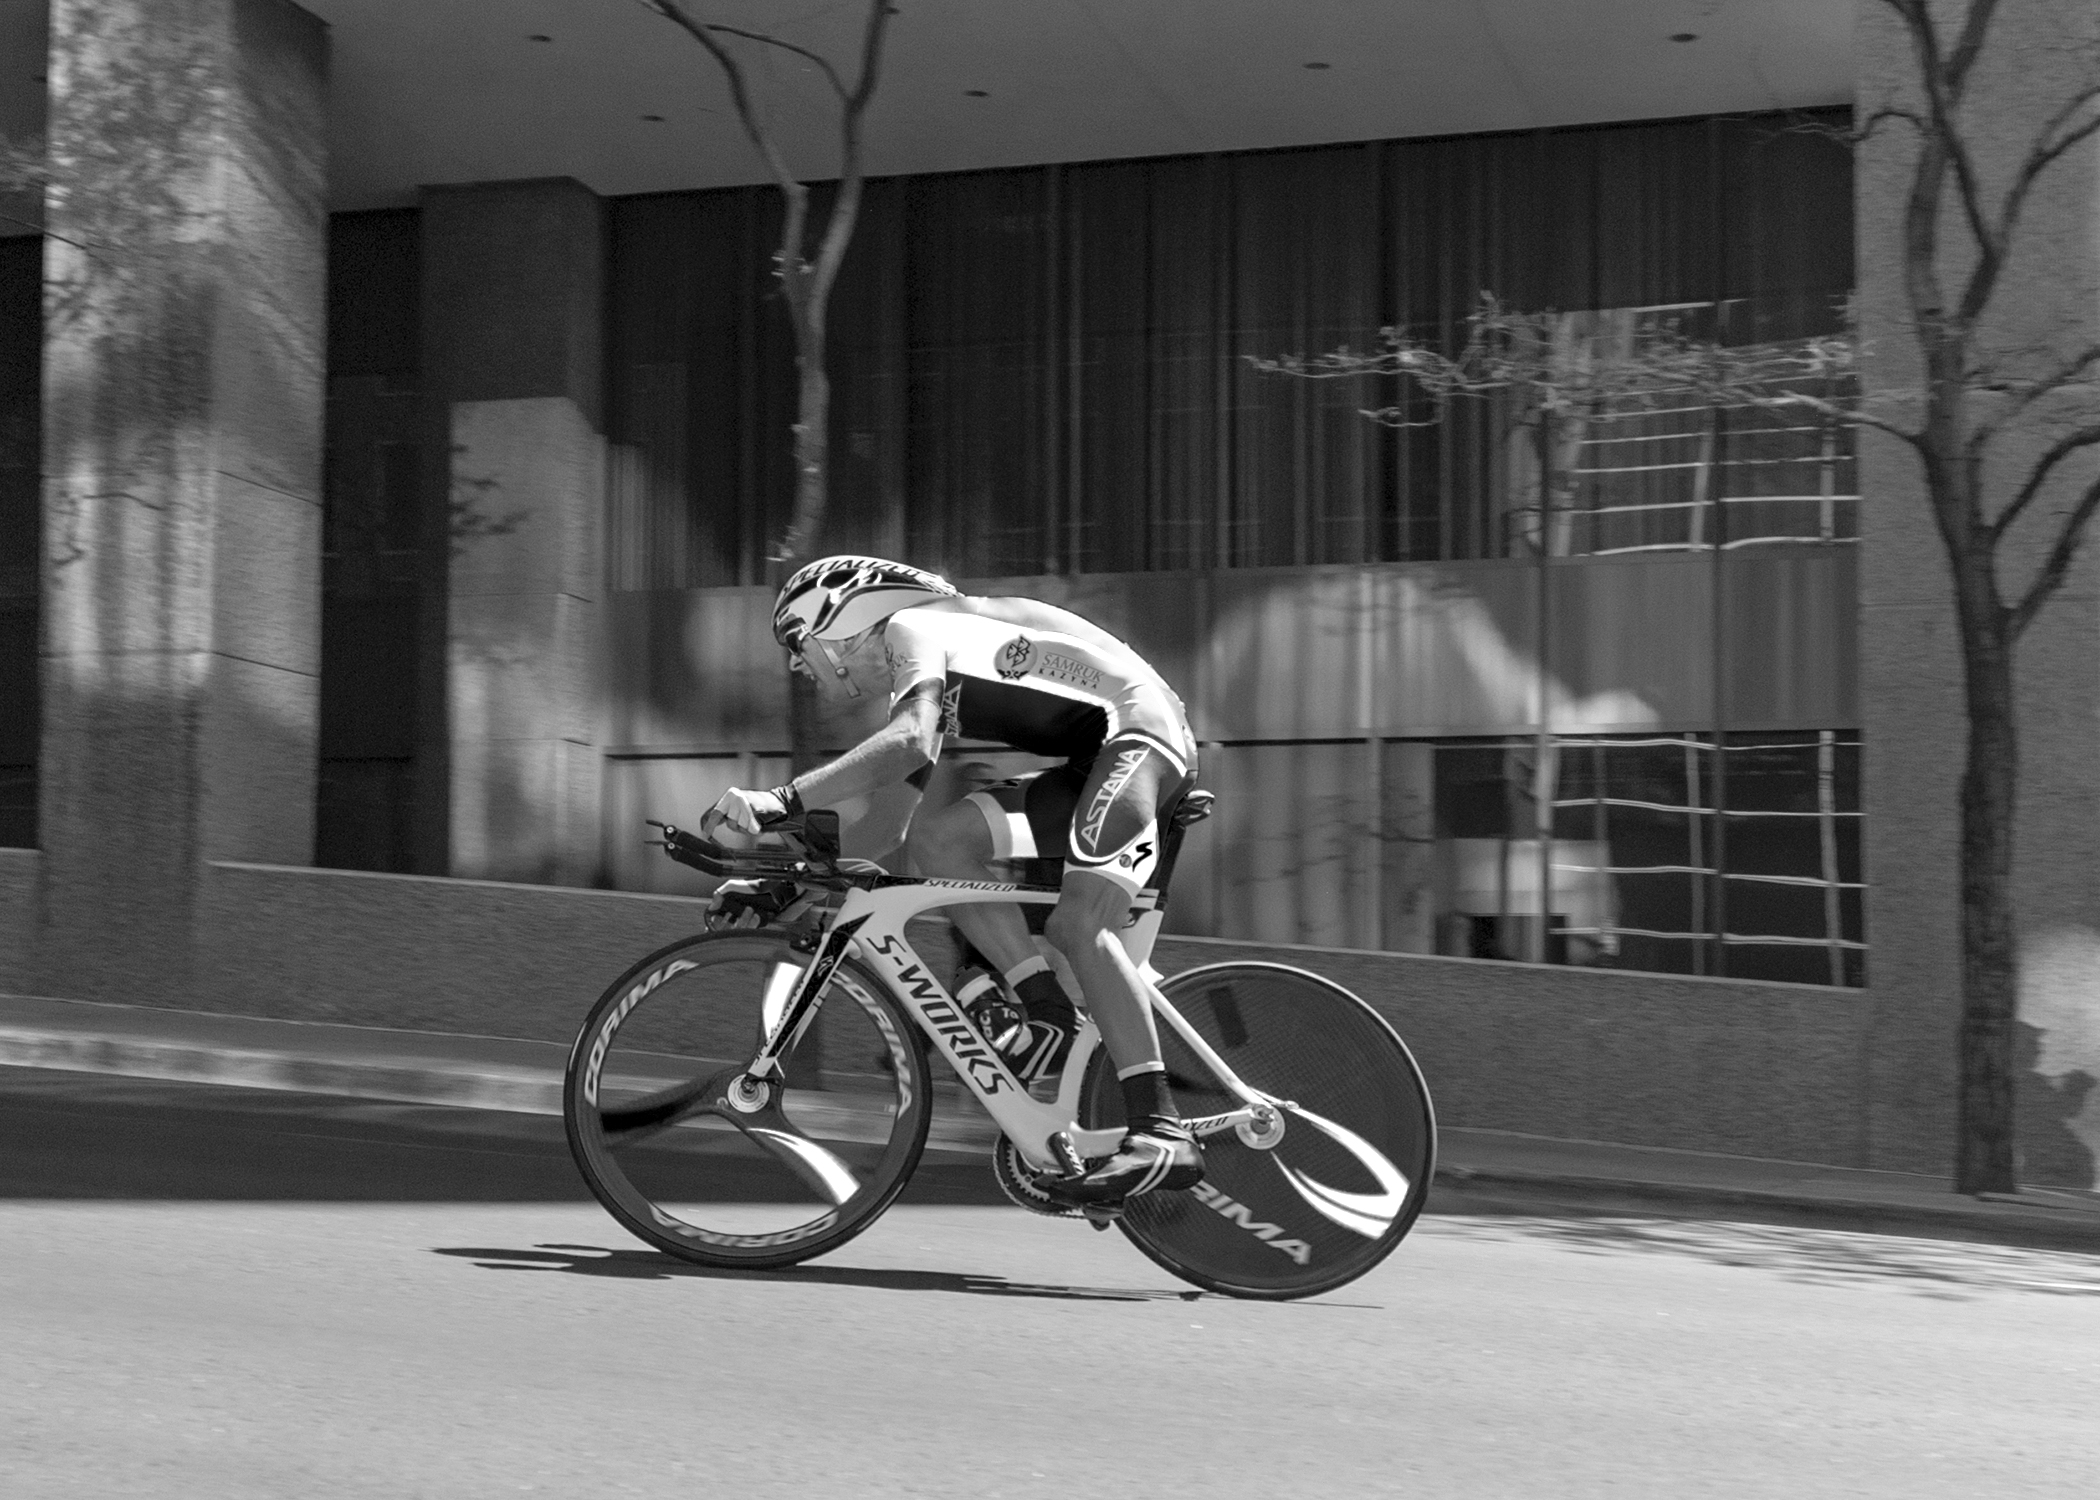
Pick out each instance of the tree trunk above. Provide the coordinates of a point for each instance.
(1990, 975)
(812, 448)
(812, 489)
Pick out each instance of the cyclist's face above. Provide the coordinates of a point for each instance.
(847, 669)
(867, 663)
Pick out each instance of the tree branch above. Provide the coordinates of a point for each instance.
(2051, 577)
(870, 55)
(1974, 28)
(846, 206)
(1921, 214)
(2046, 150)
(831, 74)
(1861, 132)
(2061, 449)
(674, 12)
(1944, 77)
(2071, 372)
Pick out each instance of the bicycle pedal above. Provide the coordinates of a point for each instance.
(1070, 1163)
(1101, 1216)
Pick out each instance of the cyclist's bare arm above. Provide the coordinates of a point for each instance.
(908, 743)
(874, 827)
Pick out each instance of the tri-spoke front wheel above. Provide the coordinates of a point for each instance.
(702, 1160)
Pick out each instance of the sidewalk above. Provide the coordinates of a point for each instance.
(1478, 1170)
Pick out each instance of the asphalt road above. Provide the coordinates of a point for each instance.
(220, 1293)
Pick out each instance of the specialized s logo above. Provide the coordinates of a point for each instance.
(1127, 763)
(1015, 658)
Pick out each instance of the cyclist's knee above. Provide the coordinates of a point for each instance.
(1089, 913)
(1069, 932)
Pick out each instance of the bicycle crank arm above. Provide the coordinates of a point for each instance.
(1259, 1125)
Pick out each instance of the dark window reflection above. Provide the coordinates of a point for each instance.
(1676, 854)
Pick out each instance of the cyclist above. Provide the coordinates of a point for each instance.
(1043, 680)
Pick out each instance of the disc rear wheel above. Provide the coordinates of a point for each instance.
(700, 1159)
(1344, 1183)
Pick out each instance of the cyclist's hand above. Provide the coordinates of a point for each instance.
(748, 811)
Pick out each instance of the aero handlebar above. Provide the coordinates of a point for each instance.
(811, 858)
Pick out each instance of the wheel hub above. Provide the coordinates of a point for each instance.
(1264, 1131)
(747, 1095)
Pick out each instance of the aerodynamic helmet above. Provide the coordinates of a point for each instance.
(836, 598)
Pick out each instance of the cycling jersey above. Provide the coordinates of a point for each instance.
(1033, 676)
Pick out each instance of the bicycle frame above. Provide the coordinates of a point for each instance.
(871, 922)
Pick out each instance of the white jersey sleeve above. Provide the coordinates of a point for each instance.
(916, 653)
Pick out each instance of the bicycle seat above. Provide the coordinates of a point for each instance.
(1195, 805)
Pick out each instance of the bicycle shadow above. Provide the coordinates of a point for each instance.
(651, 1265)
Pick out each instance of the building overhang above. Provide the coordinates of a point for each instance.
(440, 91)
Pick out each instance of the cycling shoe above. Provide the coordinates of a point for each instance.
(1162, 1157)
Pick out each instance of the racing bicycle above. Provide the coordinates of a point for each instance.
(757, 1094)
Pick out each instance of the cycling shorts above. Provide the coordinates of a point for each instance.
(1107, 813)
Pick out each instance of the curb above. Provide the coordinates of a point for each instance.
(1511, 1190)
(515, 1090)
(490, 1086)
(2072, 1225)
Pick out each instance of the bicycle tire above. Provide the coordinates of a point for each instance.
(1314, 1212)
(649, 1126)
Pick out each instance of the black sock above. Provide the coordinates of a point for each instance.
(1046, 1001)
(1146, 1100)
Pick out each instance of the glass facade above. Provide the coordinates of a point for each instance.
(1051, 373)
(1047, 370)
(21, 531)
(376, 565)
(1046, 376)
(1692, 854)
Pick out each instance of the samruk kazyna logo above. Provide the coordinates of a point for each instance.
(1015, 658)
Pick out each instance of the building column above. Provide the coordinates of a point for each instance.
(184, 316)
(513, 285)
(1914, 726)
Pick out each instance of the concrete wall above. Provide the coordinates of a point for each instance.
(417, 952)
(1712, 1065)
(1729, 1065)
(18, 876)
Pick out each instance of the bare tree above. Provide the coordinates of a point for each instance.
(805, 280)
(1985, 410)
